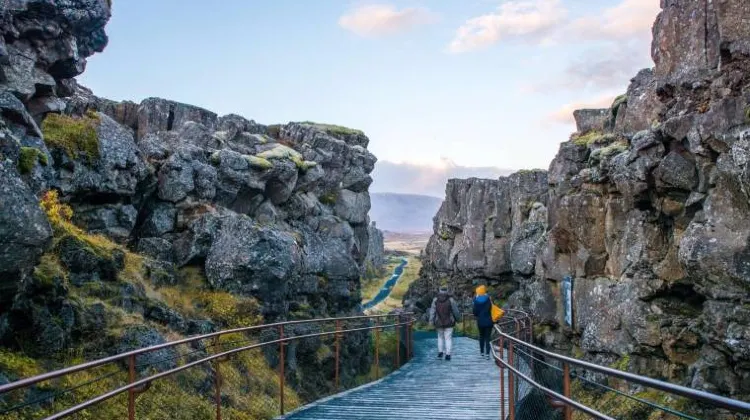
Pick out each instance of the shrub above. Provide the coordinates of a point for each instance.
(29, 157)
(73, 135)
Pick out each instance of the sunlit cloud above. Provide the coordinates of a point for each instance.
(529, 21)
(430, 179)
(628, 19)
(377, 20)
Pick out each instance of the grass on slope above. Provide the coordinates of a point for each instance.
(250, 387)
(393, 301)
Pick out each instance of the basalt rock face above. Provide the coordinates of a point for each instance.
(487, 232)
(276, 213)
(646, 209)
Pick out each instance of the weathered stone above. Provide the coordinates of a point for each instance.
(117, 171)
(590, 119)
(352, 206)
(157, 248)
(25, 231)
(114, 220)
(675, 171)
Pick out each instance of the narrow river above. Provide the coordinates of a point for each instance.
(385, 291)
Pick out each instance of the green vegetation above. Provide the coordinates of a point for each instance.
(258, 162)
(609, 151)
(75, 136)
(592, 137)
(393, 301)
(621, 407)
(622, 364)
(618, 102)
(334, 129)
(285, 152)
(329, 198)
(29, 157)
(250, 387)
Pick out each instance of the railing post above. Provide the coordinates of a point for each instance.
(408, 341)
(338, 350)
(511, 384)
(463, 319)
(502, 380)
(567, 410)
(131, 391)
(281, 369)
(377, 348)
(398, 343)
(217, 378)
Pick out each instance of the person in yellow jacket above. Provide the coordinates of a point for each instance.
(483, 314)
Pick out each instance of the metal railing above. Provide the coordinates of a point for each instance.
(281, 334)
(516, 357)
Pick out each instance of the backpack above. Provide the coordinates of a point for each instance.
(444, 313)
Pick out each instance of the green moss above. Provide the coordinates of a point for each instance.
(258, 162)
(334, 129)
(609, 151)
(75, 136)
(622, 364)
(329, 198)
(307, 164)
(285, 152)
(18, 365)
(49, 270)
(29, 157)
(592, 137)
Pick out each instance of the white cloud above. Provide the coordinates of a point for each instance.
(546, 22)
(604, 68)
(382, 19)
(628, 19)
(529, 20)
(564, 115)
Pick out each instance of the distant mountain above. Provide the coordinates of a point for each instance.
(404, 212)
(408, 178)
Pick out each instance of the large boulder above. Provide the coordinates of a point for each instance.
(25, 231)
(249, 259)
(113, 167)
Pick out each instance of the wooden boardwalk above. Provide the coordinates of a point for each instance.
(467, 387)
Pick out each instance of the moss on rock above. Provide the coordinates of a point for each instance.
(28, 158)
(334, 129)
(259, 162)
(75, 136)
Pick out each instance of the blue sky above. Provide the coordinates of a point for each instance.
(496, 93)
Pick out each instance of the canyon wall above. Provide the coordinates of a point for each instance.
(106, 206)
(646, 208)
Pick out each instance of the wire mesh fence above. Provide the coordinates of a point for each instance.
(252, 373)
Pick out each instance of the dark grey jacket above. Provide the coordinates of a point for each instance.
(454, 310)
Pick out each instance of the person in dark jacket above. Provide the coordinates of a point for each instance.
(444, 314)
(483, 315)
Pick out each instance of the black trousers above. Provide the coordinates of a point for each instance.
(484, 339)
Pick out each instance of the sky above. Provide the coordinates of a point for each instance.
(438, 85)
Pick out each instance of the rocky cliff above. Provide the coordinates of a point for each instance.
(646, 207)
(124, 222)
